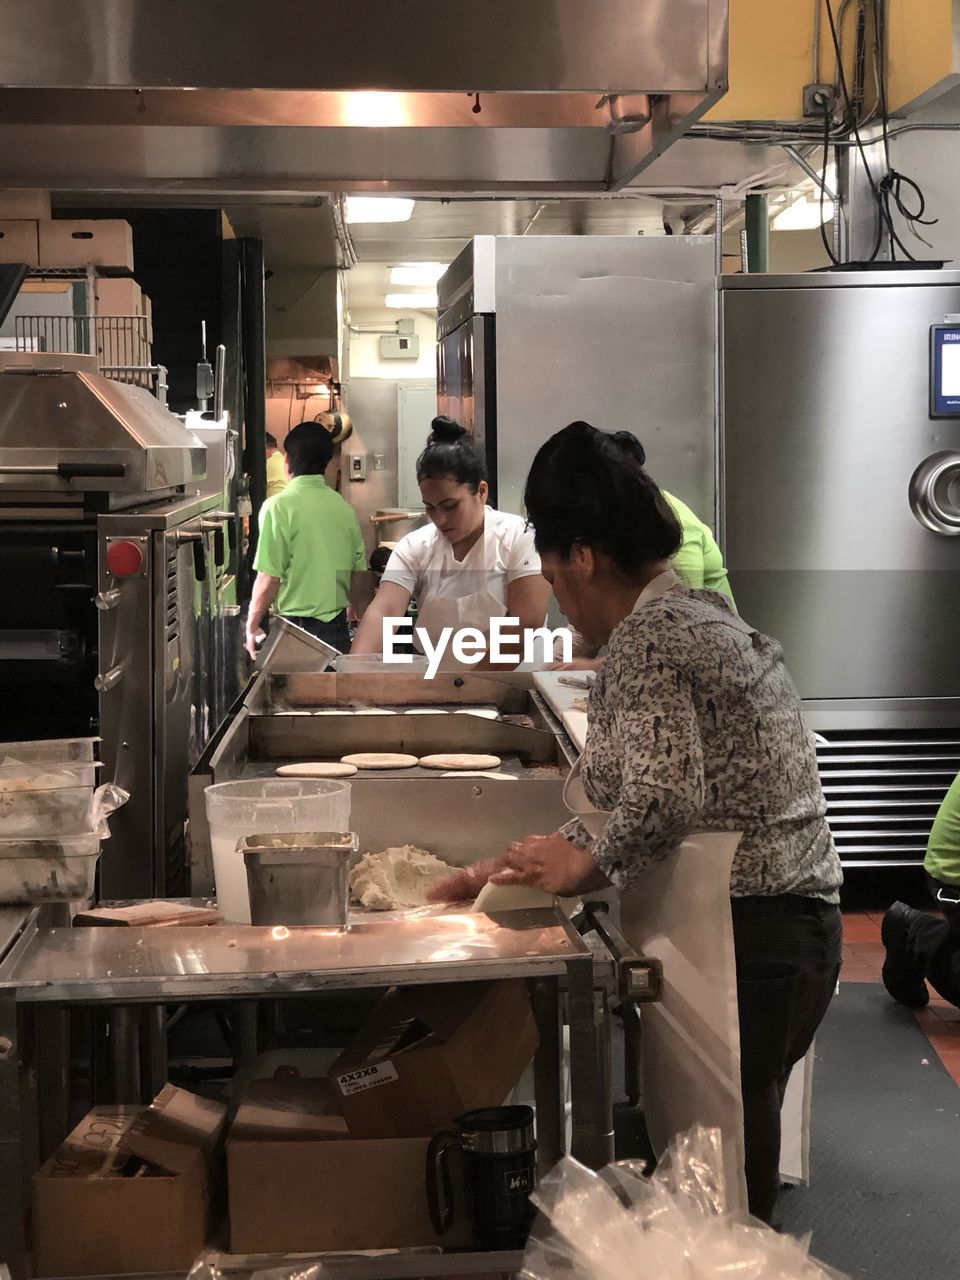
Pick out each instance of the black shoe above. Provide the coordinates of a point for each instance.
(901, 975)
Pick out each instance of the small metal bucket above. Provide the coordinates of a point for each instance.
(300, 877)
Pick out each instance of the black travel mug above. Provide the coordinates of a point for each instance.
(499, 1153)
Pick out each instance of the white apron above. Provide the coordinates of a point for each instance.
(690, 1042)
(474, 610)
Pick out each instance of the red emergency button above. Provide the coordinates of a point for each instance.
(124, 558)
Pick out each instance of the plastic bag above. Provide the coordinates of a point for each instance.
(106, 800)
(672, 1225)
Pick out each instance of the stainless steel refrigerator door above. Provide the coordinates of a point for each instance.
(619, 331)
(467, 385)
(825, 422)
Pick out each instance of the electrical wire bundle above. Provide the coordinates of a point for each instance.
(892, 192)
(889, 189)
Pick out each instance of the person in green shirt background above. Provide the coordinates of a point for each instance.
(922, 947)
(276, 467)
(310, 545)
(698, 564)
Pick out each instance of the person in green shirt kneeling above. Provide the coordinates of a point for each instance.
(310, 546)
(922, 947)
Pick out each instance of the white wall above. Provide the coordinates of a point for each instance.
(364, 348)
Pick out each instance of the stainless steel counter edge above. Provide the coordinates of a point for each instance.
(24, 973)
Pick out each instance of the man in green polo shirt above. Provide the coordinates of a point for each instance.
(923, 947)
(310, 545)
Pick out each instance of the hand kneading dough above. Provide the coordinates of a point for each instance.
(459, 762)
(396, 878)
(380, 760)
(321, 769)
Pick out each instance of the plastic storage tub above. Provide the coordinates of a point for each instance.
(69, 750)
(43, 799)
(50, 869)
(265, 806)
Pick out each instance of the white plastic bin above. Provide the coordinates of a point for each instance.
(265, 806)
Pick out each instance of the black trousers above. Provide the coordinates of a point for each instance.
(334, 632)
(788, 951)
(934, 943)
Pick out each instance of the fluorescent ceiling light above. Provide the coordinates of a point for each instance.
(411, 301)
(417, 273)
(803, 215)
(378, 209)
(376, 110)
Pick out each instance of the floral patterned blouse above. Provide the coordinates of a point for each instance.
(695, 725)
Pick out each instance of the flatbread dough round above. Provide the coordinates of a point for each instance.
(457, 762)
(380, 760)
(317, 769)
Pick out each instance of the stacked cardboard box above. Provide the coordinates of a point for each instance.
(132, 1189)
(339, 1163)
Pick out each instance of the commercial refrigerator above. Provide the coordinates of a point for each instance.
(840, 505)
(539, 331)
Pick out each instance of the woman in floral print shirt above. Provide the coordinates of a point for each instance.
(695, 725)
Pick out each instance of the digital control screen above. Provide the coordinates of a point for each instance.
(945, 371)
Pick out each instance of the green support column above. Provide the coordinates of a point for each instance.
(758, 233)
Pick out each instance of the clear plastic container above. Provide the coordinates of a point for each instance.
(47, 775)
(51, 869)
(265, 806)
(64, 811)
(70, 750)
(46, 798)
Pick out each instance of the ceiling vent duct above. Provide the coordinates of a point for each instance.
(428, 96)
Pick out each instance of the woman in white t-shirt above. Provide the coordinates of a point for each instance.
(470, 564)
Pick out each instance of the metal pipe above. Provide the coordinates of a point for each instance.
(219, 381)
(255, 379)
(125, 1055)
(809, 170)
(758, 233)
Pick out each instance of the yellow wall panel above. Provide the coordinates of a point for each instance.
(921, 37)
(771, 54)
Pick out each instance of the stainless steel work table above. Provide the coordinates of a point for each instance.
(45, 972)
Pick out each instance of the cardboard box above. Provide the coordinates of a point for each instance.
(311, 1196)
(130, 1190)
(119, 296)
(27, 203)
(299, 1184)
(19, 242)
(106, 242)
(427, 1054)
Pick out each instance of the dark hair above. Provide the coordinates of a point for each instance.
(309, 449)
(379, 557)
(271, 440)
(590, 487)
(450, 451)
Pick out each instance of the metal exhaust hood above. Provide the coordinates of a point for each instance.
(297, 95)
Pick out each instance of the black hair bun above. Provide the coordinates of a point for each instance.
(630, 445)
(446, 431)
